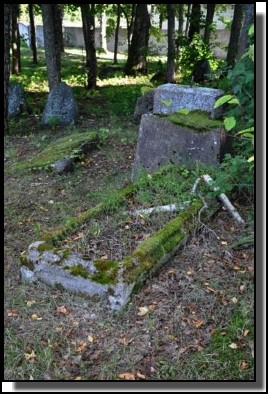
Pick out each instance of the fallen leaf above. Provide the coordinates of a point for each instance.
(245, 333)
(126, 376)
(234, 300)
(189, 273)
(233, 346)
(143, 310)
(223, 242)
(30, 356)
(242, 288)
(90, 338)
(223, 333)
(209, 289)
(58, 329)
(30, 302)
(36, 317)
(198, 323)
(183, 350)
(152, 307)
(104, 257)
(123, 341)
(140, 375)
(78, 378)
(236, 268)
(171, 272)
(243, 365)
(12, 312)
(63, 310)
(81, 347)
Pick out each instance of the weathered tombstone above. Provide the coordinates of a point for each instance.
(16, 100)
(201, 71)
(60, 107)
(169, 98)
(161, 142)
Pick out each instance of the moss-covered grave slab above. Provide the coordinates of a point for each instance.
(110, 281)
(70, 147)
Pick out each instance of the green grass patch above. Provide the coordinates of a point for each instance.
(227, 357)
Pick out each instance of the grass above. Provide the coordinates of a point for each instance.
(181, 336)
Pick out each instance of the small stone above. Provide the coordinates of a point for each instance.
(63, 165)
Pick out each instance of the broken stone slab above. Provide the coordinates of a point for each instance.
(60, 107)
(112, 282)
(170, 98)
(60, 155)
(16, 100)
(161, 142)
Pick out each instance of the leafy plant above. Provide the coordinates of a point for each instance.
(195, 50)
(240, 114)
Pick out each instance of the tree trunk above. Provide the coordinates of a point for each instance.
(171, 44)
(117, 32)
(88, 14)
(160, 21)
(132, 24)
(209, 21)
(52, 44)
(195, 20)
(244, 39)
(180, 19)
(59, 26)
(103, 23)
(235, 34)
(16, 63)
(188, 20)
(32, 32)
(7, 21)
(180, 31)
(136, 61)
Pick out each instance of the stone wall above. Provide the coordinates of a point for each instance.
(73, 37)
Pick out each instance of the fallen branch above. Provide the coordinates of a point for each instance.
(163, 208)
(224, 199)
(178, 207)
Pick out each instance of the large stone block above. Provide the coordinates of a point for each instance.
(61, 106)
(169, 98)
(161, 142)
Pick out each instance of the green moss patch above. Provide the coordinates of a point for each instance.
(79, 270)
(68, 146)
(106, 272)
(195, 120)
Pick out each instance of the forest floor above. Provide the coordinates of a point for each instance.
(194, 320)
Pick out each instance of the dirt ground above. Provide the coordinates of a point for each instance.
(192, 321)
